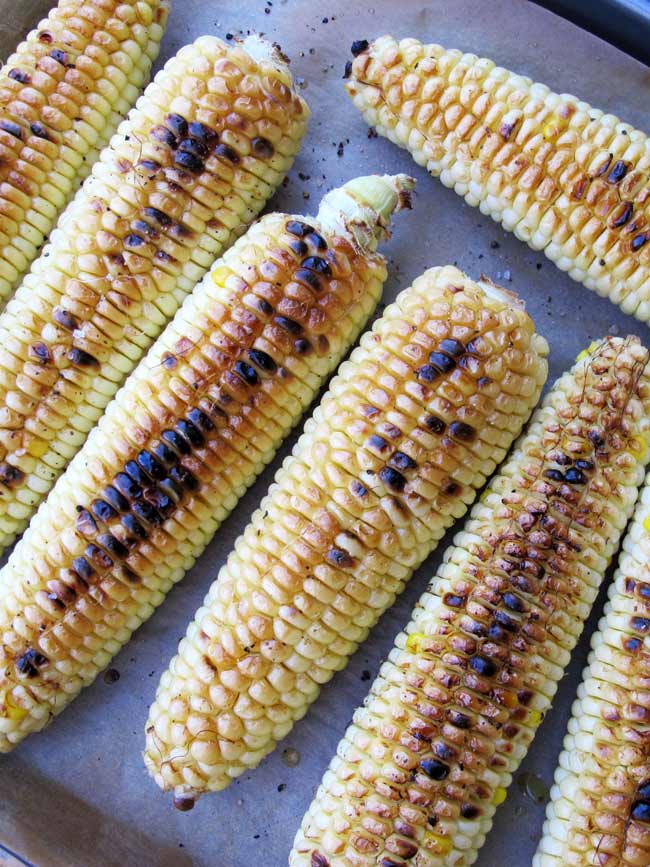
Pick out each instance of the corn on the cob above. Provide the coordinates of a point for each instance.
(191, 429)
(191, 166)
(411, 426)
(599, 812)
(429, 756)
(62, 95)
(563, 176)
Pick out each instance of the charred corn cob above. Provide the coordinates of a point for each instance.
(62, 95)
(192, 165)
(193, 426)
(429, 756)
(563, 176)
(411, 426)
(600, 805)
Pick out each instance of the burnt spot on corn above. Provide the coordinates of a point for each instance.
(640, 811)
(227, 152)
(435, 424)
(65, 319)
(435, 769)
(19, 75)
(41, 352)
(639, 241)
(393, 479)
(289, 325)
(618, 172)
(10, 476)
(317, 264)
(29, 663)
(340, 558)
(11, 128)
(359, 46)
(378, 443)
(318, 860)
(40, 131)
(81, 358)
(246, 372)
(298, 228)
(462, 431)
(401, 461)
(622, 215)
(262, 148)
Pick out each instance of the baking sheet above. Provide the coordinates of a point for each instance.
(77, 795)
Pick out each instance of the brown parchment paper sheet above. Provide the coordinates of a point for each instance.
(77, 795)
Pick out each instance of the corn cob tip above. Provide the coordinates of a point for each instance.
(362, 208)
(494, 290)
(263, 51)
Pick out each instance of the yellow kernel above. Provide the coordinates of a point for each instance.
(220, 275)
(646, 523)
(439, 845)
(499, 796)
(14, 712)
(535, 717)
(587, 352)
(413, 642)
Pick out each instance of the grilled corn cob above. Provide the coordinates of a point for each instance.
(599, 812)
(62, 95)
(411, 426)
(197, 421)
(429, 756)
(563, 176)
(192, 165)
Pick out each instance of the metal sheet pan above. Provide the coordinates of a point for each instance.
(78, 795)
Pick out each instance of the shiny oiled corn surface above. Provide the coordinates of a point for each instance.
(563, 176)
(193, 164)
(411, 426)
(599, 812)
(430, 754)
(63, 93)
(200, 417)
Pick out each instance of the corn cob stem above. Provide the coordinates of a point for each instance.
(196, 422)
(411, 426)
(62, 95)
(429, 756)
(193, 164)
(599, 812)
(563, 176)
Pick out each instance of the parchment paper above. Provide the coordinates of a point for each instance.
(77, 795)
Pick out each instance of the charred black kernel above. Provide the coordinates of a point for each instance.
(165, 454)
(458, 720)
(60, 56)
(640, 811)
(190, 432)
(359, 46)
(262, 360)
(45, 36)
(392, 478)
(644, 790)
(81, 358)
(153, 468)
(19, 75)
(377, 442)
(641, 624)
(40, 131)
(136, 473)
(452, 347)
(184, 478)
(160, 500)
(624, 215)
(146, 512)
(12, 128)
(513, 602)
(358, 489)
(505, 620)
(308, 277)
(428, 373)
(387, 861)
(177, 124)
(169, 361)
(450, 488)
(10, 475)
(149, 166)
(435, 424)
(134, 240)
(585, 465)
(453, 600)
(639, 240)
(247, 373)
(618, 172)
(146, 229)
(65, 319)
(442, 361)
(83, 568)
(496, 633)
(596, 438)
(469, 811)
(340, 558)
(318, 860)
(644, 590)
(347, 72)
(443, 751)
(632, 644)
(29, 663)
(317, 241)
(370, 411)
(203, 133)
(99, 558)
(200, 419)
(296, 227)
(264, 306)
(434, 769)
(483, 381)
(299, 247)
(224, 150)
(188, 162)
(554, 475)
(262, 147)
(115, 498)
(176, 441)
(113, 545)
(133, 526)
(402, 461)
(159, 216)
(574, 476)
(127, 486)
(289, 325)
(462, 431)
(85, 523)
(302, 346)
(164, 136)
(482, 666)
(317, 264)
(194, 146)
(171, 488)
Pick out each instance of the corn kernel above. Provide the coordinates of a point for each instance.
(499, 796)
(14, 712)
(646, 523)
(414, 641)
(220, 275)
(439, 845)
(587, 352)
(535, 717)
